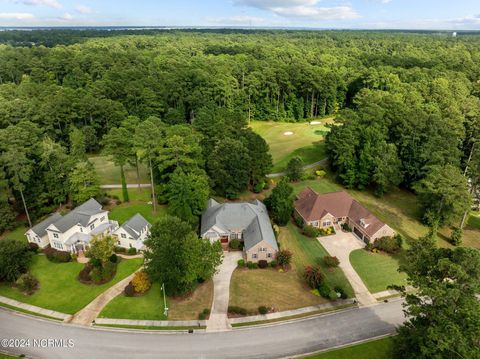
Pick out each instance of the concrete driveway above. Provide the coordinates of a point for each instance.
(218, 320)
(341, 245)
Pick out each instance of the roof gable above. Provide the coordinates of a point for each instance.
(135, 225)
(79, 215)
(40, 229)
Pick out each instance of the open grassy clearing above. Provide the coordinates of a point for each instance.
(17, 234)
(59, 288)
(474, 221)
(303, 140)
(376, 349)
(110, 174)
(150, 305)
(139, 203)
(377, 270)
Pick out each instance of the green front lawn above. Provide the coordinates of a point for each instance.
(377, 270)
(139, 203)
(110, 174)
(59, 288)
(376, 349)
(302, 142)
(150, 305)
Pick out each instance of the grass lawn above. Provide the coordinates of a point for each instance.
(308, 251)
(376, 349)
(377, 270)
(139, 199)
(303, 142)
(150, 306)
(17, 234)
(110, 174)
(59, 288)
(474, 221)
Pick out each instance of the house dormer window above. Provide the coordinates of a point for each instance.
(363, 223)
(92, 226)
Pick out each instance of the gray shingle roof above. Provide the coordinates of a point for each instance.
(251, 218)
(40, 228)
(81, 214)
(135, 225)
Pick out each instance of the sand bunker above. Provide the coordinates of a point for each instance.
(315, 123)
(288, 133)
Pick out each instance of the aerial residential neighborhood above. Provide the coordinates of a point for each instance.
(240, 179)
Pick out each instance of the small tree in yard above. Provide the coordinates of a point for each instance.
(280, 202)
(83, 182)
(27, 283)
(101, 248)
(15, 259)
(294, 169)
(456, 236)
(331, 262)
(141, 283)
(313, 276)
(284, 258)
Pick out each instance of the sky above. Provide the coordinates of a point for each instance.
(346, 14)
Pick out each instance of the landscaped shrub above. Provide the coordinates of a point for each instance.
(259, 187)
(313, 276)
(284, 257)
(132, 251)
(57, 256)
(103, 273)
(263, 310)
(311, 231)
(346, 227)
(320, 173)
(250, 265)
(331, 262)
(327, 231)
(236, 310)
(456, 236)
(113, 258)
(33, 247)
(273, 263)
(129, 290)
(95, 262)
(299, 221)
(84, 275)
(387, 244)
(120, 249)
(324, 290)
(262, 264)
(141, 283)
(241, 262)
(341, 291)
(27, 283)
(234, 244)
(204, 314)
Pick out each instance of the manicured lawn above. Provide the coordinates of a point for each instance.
(17, 234)
(474, 221)
(376, 349)
(59, 288)
(150, 306)
(139, 203)
(251, 288)
(110, 174)
(308, 251)
(302, 142)
(377, 270)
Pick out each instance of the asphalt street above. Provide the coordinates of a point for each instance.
(274, 341)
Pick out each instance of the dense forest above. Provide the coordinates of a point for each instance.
(407, 107)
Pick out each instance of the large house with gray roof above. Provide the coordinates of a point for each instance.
(247, 222)
(73, 231)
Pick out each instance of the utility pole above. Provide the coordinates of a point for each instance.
(464, 218)
(165, 310)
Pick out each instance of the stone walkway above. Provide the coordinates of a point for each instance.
(218, 320)
(35, 309)
(89, 313)
(341, 245)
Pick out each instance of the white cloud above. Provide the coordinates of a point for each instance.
(50, 3)
(16, 16)
(82, 9)
(66, 17)
(302, 9)
(238, 20)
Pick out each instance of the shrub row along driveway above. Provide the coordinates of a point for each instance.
(340, 245)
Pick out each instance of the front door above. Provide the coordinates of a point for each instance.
(224, 239)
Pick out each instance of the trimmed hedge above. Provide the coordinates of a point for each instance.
(262, 263)
(263, 310)
(132, 251)
(311, 231)
(56, 256)
(237, 310)
(235, 244)
(331, 262)
(241, 262)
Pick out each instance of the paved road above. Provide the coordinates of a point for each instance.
(286, 339)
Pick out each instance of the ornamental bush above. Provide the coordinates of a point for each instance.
(237, 310)
(311, 231)
(141, 283)
(284, 257)
(113, 258)
(387, 244)
(331, 262)
(56, 256)
(262, 264)
(341, 291)
(325, 290)
(27, 283)
(132, 251)
(33, 247)
(241, 262)
(273, 263)
(263, 310)
(235, 244)
(313, 276)
(129, 290)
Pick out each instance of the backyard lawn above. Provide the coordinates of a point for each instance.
(139, 203)
(376, 349)
(59, 288)
(17, 234)
(377, 270)
(150, 306)
(110, 174)
(287, 140)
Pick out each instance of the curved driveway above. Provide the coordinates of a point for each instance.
(281, 340)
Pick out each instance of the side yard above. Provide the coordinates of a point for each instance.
(150, 305)
(59, 288)
(110, 174)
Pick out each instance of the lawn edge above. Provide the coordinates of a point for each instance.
(14, 309)
(152, 328)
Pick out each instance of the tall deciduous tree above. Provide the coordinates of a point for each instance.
(83, 182)
(78, 146)
(119, 146)
(294, 169)
(178, 258)
(443, 313)
(260, 157)
(280, 202)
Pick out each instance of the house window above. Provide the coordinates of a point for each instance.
(254, 256)
(327, 223)
(315, 224)
(269, 255)
(102, 219)
(262, 249)
(123, 235)
(55, 235)
(81, 229)
(130, 245)
(118, 242)
(92, 226)
(57, 245)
